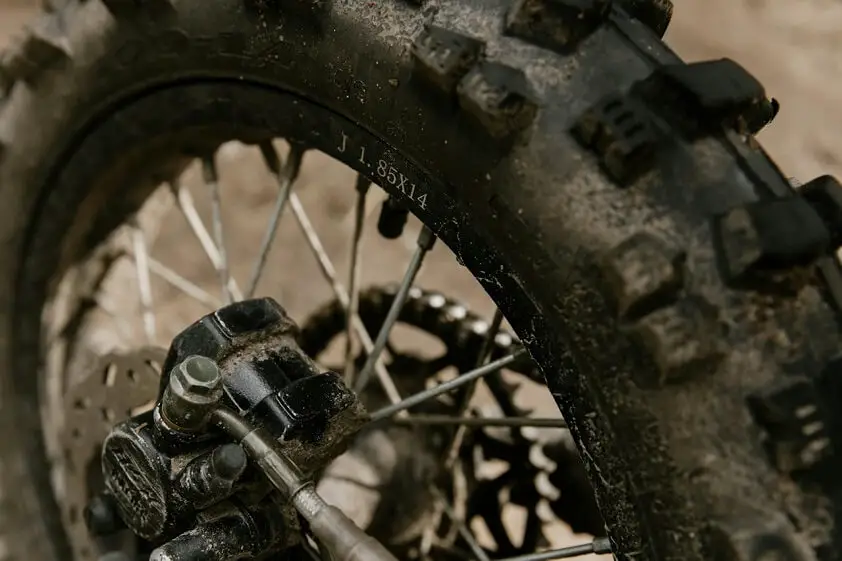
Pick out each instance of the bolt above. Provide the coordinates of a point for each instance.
(229, 461)
(194, 389)
(102, 517)
(199, 376)
(212, 476)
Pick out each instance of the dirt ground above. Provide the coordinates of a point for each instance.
(794, 48)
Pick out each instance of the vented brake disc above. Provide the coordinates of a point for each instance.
(118, 386)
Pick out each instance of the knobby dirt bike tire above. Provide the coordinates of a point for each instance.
(682, 300)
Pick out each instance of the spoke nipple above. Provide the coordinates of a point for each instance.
(270, 157)
(209, 169)
(602, 545)
(392, 220)
(426, 239)
(363, 184)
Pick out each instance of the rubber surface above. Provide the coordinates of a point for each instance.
(682, 300)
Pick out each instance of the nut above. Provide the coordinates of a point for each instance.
(193, 391)
(198, 376)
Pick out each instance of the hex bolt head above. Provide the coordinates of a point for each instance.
(194, 389)
(199, 377)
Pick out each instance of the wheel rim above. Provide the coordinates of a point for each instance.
(146, 266)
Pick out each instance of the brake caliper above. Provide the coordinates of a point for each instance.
(168, 471)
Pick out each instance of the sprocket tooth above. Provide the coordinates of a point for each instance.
(479, 326)
(455, 312)
(391, 289)
(547, 516)
(504, 340)
(415, 293)
(545, 487)
(539, 459)
(436, 300)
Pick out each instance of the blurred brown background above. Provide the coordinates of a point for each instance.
(793, 47)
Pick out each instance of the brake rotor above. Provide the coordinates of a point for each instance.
(118, 387)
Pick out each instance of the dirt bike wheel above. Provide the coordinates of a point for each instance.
(564, 153)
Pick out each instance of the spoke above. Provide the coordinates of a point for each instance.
(482, 359)
(144, 282)
(480, 422)
(445, 387)
(451, 451)
(363, 185)
(599, 546)
(119, 319)
(329, 273)
(212, 181)
(486, 496)
(182, 284)
(461, 527)
(185, 204)
(285, 176)
(425, 242)
(490, 337)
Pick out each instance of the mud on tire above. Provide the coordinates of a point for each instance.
(681, 298)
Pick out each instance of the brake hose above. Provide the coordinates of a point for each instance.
(345, 540)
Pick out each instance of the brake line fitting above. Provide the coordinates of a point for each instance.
(193, 392)
(335, 531)
(192, 398)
